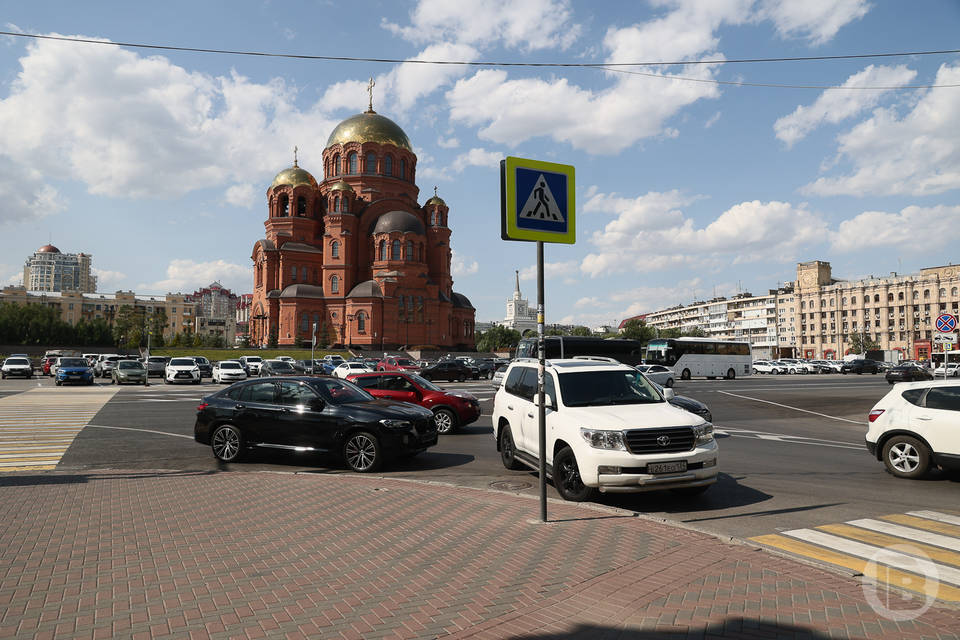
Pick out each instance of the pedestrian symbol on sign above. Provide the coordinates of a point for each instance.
(541, 205)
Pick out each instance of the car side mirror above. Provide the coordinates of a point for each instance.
(668, 394)
(547, 401)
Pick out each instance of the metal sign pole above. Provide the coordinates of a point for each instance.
(542, 410)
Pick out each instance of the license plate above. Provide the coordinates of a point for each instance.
(667, 467)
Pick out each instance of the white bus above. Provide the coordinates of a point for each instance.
(701, 357)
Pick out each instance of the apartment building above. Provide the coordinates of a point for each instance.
(48, 269)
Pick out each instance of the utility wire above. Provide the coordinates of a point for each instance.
(607, 66)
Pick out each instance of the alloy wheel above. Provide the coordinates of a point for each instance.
(904, 457)
(226, 443)
(360, 452)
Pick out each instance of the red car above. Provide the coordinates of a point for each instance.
(47, 363)
(450, 410)
(393, 363)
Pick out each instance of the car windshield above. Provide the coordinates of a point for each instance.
(201, 360)
(280, 365)
(159, 359)
(358, 365)
(337, 391)
(403, 362)
(598, 388)
(426, 384)
(229, 365)
(182, 362)
(254, 359)
(17, 361)
(129, 364)
(73, 362)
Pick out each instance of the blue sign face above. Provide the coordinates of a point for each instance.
(946, 323)
(541, 200)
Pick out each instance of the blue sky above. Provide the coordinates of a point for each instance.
(157, 163)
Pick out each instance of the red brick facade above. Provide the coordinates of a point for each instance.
(355, 253)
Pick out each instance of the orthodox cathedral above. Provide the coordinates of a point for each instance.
(356, 254)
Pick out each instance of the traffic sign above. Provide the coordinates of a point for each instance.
(946, 323)
(537, 201)
(944, 338)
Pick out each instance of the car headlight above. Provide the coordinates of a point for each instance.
(703, 433)
(599, 439)
(396, 424)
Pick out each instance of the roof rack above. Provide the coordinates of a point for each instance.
(598, 359)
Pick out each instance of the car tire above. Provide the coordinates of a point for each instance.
(508, 450)
(906, 457)
(166, 380)
(566, 477)
(445, 420)
(685, 375)
(461, 378)
(197, 381)
(731, 374)
(227, 443)
(669, 383)
(362, 453)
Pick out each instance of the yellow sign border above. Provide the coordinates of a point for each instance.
(509, 228)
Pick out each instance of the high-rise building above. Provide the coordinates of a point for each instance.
(520, 317)
(215, 301)
(50, 270)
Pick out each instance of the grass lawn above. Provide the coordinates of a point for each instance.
(213, 355)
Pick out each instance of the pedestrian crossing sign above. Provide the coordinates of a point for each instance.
(537, 201)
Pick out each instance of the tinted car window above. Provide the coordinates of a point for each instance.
(182, 362)
(511, 386)
(125, 364)
(947, 398)
(17, 361)
(528, 383)
(260, 392)
(913, 396)
(596, 388)
(397, 383)
(337, 391)
(64, 362)
(230, 365)
(367, 382)
(234, 393)
(294, 394)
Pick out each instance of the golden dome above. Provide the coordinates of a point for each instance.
(436, 200)
(294, 177)
(370, 127)
(341, 185)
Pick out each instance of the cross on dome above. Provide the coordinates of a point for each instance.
(295, 155)
(370, 85)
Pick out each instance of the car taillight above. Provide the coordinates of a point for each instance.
(202, 406)
(876, 413)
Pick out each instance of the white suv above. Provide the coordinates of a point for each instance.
(608, 428)
(914, 427)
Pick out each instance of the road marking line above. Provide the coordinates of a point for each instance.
(888, 556)
(883, 540)
(785, 406)
(909, 533)
(162, 433)
(936, 515)
(922, 523)
(903, 579)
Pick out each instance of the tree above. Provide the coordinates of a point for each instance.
(274, 338)
(580, 330)
(861, 343)
(637, 329)
(694, 332)
(497, 338)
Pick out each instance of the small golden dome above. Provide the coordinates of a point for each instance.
(370, 127)
(436, 200)
(341, 185)
(294, 177)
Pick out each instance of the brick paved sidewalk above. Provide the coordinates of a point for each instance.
(252, 555)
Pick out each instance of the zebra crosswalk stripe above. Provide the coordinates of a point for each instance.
(38, 426)
(918, 551)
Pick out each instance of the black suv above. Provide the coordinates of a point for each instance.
(860, 366)
(447, 370)
(206, 369)
(310, 414)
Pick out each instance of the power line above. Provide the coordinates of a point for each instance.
(481, 63)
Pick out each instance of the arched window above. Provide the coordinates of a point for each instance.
(303, 274)
(334, 249)
(400, 306)
(283, 207)
(293, 273)
(900, 296)
(843, 301)
(336, 203)
(352, 162)
(334, 284)
(420, 309)
(361, 322)
(409, 256)
(831, 302)
(395, 250)
(876, 298)
(345, 204)
(403, 169)
(315, 273)
(916, 294)
(305, 323)
(926, 294)
(383, 249)
(301, 206)
(420, 252)
(889, 297)
(953, 291)
(943, 293)
(371, 163)
(388, 166)
(336, 164)
(853, 300)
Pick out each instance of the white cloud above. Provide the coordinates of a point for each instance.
(550, 270)
(448, 143)
(917, 154)
(712, 120)
(460, 266)
(185, 275)
(132, 126)
(241, 195)
(914, 229)
(516, 24)
(478, 158)
(746, 232)
(25, 195)
(836, 105)
(107, 279)
(815, 20)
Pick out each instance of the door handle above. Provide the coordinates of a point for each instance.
(239, 406)
(285, 410)
(510, 407)
(924, 418)
(529, 415)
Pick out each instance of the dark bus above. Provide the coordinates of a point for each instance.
(625, 351)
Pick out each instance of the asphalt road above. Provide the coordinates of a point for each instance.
(792, 453)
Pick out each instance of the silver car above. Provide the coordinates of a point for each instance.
(663, 376)
(156, 365)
